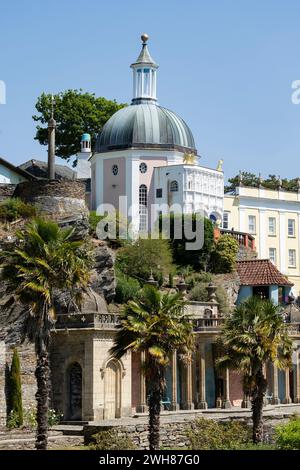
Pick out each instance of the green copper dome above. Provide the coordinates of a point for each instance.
(145, 125)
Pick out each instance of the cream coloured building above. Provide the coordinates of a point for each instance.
(273, 218)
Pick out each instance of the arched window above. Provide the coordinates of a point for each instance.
(143, 201)
(174, 186)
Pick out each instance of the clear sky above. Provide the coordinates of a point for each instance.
(226, 67)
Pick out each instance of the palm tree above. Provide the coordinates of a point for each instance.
(252, 336)
(156, 325)
(44, 262)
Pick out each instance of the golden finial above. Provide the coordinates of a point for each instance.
(189, 158)
(144, 38)
(220, 165)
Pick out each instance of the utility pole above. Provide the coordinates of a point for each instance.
(51, 143)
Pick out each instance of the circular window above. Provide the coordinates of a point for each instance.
(143, 167)
(115, 170)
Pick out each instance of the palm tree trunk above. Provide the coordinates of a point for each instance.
(154, 416)
(257, 405)
(42, 374)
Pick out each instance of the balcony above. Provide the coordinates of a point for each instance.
(244, 239)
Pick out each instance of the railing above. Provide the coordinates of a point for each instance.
(207, 324)
(294, 329)
(243, 238)
(87, 320)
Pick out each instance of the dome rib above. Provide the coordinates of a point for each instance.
(145, 126)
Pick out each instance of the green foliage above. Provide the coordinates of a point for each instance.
(76, 112)
(199, 293)
(255, 334)
(30, 417)
(251, 180)
(127, 288)
(54, 417)
(143, 256)
(94, 219)
(208, 434)
(13, 208)
(171, 280)
(222, 299)
(198, 278)
(15, 392)
(224, 256)
(197, 259)
(111, 440)
(287, 436)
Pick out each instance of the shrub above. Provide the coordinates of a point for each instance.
(197, 259)
(287, 436)
(222, 299)
(143, 256)
(93, 221)
(199, 293)
(111, 440)
(198, 277)
(54, 417)
(171, 280)
(14, 208)
(15, 393)
(208, 434)
(127, 288)
(223, 257)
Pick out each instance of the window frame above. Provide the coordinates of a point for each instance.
(272, 233)
(294, 228)
(252, 232)
(292, 265)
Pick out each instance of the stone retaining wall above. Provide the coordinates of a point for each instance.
(174, 434)
(6, 191)
(30, 190)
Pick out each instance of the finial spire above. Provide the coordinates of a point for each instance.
(144, 38)
(144, 75)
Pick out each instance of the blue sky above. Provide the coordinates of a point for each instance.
(226, 67)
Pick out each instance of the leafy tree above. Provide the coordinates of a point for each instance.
(76, 112)
(143, 256)
(223, 258)
(15, 389)
(127, 288)
(196, 259)
(156, 325)
(44, 262)
(252, 336)
(250, 179)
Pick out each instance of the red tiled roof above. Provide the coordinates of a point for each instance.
(260, 272)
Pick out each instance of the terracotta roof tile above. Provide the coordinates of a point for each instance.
(259, 272)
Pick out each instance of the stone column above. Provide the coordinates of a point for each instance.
(246, 403)
(297, 381)
(188, 403)
(174, 404)
(142, 407)
(226, 400)
(287, 397)
(275, 399)
(202, 404)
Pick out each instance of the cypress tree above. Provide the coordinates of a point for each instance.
(16, 389)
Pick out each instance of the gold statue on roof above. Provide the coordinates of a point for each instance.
(189, 158)
(220, 165)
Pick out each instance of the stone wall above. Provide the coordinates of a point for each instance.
(30, 190)
(174, 433)
(6, 191)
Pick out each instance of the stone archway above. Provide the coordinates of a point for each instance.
(74, 384)
(112, 390)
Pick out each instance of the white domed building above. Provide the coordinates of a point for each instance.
(147, 153)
